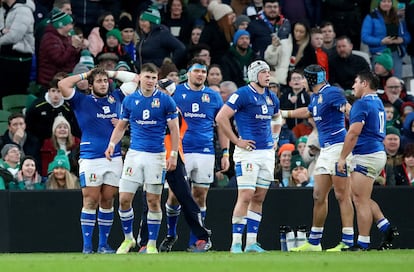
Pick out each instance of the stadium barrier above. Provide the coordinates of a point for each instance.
(45, 221)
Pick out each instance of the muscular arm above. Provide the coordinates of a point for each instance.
(66, 85)
(224, 127)
(300, 113)
(351, 139)
(116, 136)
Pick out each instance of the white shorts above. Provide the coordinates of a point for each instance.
(369, 165)
(95, 172)
(328, 157)
(200, 168)
(254, 168)
(142, 167)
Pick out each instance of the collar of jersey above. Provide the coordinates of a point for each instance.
(153, 94)
(188, 87)
(324, 87)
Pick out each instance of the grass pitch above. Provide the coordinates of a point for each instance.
(378, 261)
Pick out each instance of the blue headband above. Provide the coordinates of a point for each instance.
(197, 66)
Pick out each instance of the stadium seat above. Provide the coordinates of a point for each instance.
(3, 127)
(14, 102)
(4, 116)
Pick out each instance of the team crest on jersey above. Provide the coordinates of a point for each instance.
(111, 99)
(136, 102)
(128, 171)
(205, 98)
(92, 177)
(249, 167)
(269, 101)
(155, 103)
(320, 99)
(106, 109)
(184, 96)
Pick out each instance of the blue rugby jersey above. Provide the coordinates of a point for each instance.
(370, 111)
(253, 114)
(199, 109)
(148, 117)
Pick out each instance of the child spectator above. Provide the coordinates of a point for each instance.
(321, 55)
(299, 172)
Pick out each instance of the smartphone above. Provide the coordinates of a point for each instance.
(341, 174)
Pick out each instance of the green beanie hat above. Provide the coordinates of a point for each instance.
(392, 130)
(60, 160)
(61, 19)
(385, 59)
(115, 33)
(296, 161)
(152, 15)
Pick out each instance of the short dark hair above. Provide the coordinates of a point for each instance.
(94, 73)
(371, 78)
(15, 115)
(196, 60)
(149, 67)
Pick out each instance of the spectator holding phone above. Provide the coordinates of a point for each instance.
(383, 29)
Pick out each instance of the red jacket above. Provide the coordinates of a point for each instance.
(48, 153)
(56, 54)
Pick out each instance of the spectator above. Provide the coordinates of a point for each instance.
(303, 54)
(214, 75)
(241, 22)
(201, 51)
(113, 44)
(28, 177)
(218, 33)
(156, 42)
(97, 37)
(108, 61)
(296, 10)
(406, 108)
(299, 173)
(195, 37)
(294, 96)
(10, 161)
(17, 45)
(394, 157)
(177, 20)
(301, 144)
(383, 29)
(253, 9)
(404, 173)
(329, 42)
(344, 65)
(395, 93)
(391, 117)
(169, 70)
(321, 54)
(128, 35)
(277, 54)
(282, 171)
(42, 113)
(60, 176)
(59, 52)
(383, 64)
(87, 13)
(239, 56)
(61, 5)
(407, 136)
(61, 139)
(17, 134)
(269, 21)
(286, 135)
(227, 88)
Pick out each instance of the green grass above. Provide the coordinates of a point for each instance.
(378, 261)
